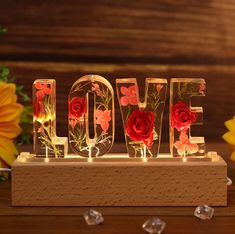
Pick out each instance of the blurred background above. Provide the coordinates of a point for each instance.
(65, 40)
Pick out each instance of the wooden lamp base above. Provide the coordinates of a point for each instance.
(119, 182)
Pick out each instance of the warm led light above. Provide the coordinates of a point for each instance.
(22, 160)
(184, 159)
(44, 120)
(89, 160)
(94, 95)
(24, 156)
(144, 159)
(46, 160)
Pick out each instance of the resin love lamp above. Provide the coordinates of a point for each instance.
(80, 171)
(91, 106)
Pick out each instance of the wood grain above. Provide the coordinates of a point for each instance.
(150, 31)
(117, 219)
(221, 147)
(7, 209)
(119, 183)
(65, 40)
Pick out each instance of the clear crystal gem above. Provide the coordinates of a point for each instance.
(154, 225)
(24, 156)
(211, 153)
(93, 217)
(229, 181)
(204, 212)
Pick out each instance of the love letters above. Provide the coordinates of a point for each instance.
(93, 96)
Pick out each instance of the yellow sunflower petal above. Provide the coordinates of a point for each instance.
(10, 130)
(7, 150)
(230, 124)
(7, 93)
(229, 137)
(233, 156)
(10, 112)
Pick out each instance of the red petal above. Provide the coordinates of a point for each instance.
(40, 95)
(38, 86)
(124, 90)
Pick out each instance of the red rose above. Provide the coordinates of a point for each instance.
(182, 117)
(38, 108)
(77, 107)
(140, 125)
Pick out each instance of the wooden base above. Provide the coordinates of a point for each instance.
(119, 182)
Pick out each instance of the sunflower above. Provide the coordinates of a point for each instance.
(10, 112)
(229, 136)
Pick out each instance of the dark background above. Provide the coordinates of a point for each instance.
(65, 40)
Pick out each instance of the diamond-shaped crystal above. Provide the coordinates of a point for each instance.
(204, 212)
(229, 181)
(154, 225)
(93, 217)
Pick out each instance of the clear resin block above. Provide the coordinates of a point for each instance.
(91, 107)
(154, 225)
(183, 116)
(46, 143)
(142, 121)
(93, 217)
(204, 212)
(229, 181)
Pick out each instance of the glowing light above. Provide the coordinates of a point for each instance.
(89, 160)
(22, 159)
(150, 108)
(47, 160)
(24, 156)
(181, 93)
(144, 159)
(95, 96)
(184, 159)
(44, 120)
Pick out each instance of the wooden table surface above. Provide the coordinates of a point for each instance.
(117, 219)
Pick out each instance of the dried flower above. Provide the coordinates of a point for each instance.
(130, 96)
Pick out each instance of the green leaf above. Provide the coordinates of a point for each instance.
(4, 73)
(26, 115)
(19, 88)
(2, 178)
(20, 93)
(11, 79)
(24, 139)
(26, 121)
(2, 30)
(26, 98)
